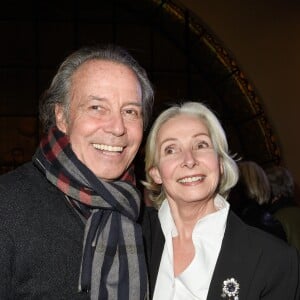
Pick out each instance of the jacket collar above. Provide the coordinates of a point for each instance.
(236, 256)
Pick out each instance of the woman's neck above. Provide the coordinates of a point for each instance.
(186, 215)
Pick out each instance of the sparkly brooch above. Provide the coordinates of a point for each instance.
(230, 289)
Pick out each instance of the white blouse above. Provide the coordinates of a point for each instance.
(207, 236)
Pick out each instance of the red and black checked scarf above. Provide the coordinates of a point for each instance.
(113, 264)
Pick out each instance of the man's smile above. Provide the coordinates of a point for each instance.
(108, 148)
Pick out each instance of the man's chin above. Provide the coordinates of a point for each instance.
(109, 175)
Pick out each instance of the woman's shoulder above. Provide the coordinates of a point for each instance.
(256, 238)
(261, 261)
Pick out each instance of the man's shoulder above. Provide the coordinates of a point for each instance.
(25, 172)
(23, 186)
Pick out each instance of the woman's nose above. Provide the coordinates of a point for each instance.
(189, 159)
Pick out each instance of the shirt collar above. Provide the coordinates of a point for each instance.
(212, 223)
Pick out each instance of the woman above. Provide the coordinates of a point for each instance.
(196, 247)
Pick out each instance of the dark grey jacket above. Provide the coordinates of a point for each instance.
(40, 239)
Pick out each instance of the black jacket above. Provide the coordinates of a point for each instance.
(264, 266)
(40, 239)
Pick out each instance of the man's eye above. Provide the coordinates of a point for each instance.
(95, 107)
(131, 113)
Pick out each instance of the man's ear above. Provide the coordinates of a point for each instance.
(60, 118)
(155, 175)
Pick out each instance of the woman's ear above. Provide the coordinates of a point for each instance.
(155, 175)
(60, 118)
(221, 166)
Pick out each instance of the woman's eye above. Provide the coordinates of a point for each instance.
(202, 144)
(169, 150)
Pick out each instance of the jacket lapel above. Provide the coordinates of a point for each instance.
(237, 259)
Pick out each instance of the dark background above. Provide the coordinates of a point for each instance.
(184, 60)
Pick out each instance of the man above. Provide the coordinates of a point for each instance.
(68, 219)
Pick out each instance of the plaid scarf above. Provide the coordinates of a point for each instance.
(113, 264)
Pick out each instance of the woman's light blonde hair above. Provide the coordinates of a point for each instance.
(230, 170)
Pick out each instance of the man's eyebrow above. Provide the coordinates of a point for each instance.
(135, 103)
(93, 97)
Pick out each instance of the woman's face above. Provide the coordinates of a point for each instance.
(187, 166)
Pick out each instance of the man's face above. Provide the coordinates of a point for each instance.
(105, 123)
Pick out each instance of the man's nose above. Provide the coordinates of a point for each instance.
(116, 125)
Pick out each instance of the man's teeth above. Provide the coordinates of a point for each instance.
(191, 179)
(108, 148)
